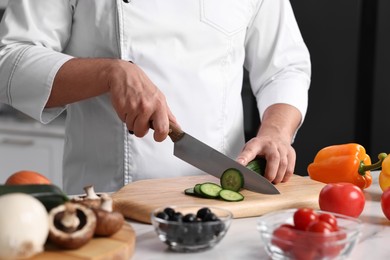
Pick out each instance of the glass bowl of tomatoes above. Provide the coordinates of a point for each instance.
(305, 233)
(191, 228)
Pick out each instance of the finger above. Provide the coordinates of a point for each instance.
(250, 151)
(283, 162)
(290, 167)
(161, 126)
(272, 167)
(141, 124)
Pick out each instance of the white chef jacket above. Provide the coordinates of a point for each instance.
(193, 50)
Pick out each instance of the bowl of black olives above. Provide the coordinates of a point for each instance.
(191, 228)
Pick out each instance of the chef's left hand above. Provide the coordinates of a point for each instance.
(273, 142)
(280, 156)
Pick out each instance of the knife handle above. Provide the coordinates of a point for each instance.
(175, 133)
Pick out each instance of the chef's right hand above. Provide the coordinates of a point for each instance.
(138, 102)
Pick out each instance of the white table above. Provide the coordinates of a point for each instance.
(243, 240)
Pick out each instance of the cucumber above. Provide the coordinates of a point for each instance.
(49, 195)
(232, 179)
(257, 165)
(197, 190)
(210, 190)
(230, 195)
(190, 191)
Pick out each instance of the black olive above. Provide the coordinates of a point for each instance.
(162, 215)
(169, 211)
(177, 217)
(189, 217)
(210, 217)
(203, 212)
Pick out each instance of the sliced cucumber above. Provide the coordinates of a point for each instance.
(190, 191)
(197, 190)
(210, 190)
(232, 179)
(230, 195)
(257, 165)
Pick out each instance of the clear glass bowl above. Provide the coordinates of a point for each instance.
(308, 245)
(194, 236)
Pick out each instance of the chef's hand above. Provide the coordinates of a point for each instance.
(273, 142)
(138, 102)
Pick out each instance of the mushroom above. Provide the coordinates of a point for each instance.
(108, 221)
(71, 225)
(90, 199)
(23, 226)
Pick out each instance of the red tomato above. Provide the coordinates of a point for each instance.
(330, 219)
(303, 250)
(325, 242)
(320, 227)
(303, 217)
(283, 237)
(385, 203)
(27, 177)
(342, 198)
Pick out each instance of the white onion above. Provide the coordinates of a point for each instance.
(24, 226)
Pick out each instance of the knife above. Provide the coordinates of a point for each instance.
(211, 161)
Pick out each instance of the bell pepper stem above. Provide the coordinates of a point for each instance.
(363, 168)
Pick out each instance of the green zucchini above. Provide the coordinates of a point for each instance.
(49, 195)
(210, 190)
(230, 195)
(257, 165)
(232, 179)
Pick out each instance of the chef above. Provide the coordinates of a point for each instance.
(117, 66)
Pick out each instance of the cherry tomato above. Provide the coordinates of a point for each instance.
(342, 198)
(385, 203)
(325, 242)
(283, 237)
(303, 217)
(27, 177)
(303, 250)
(320, 227)
(330, 219)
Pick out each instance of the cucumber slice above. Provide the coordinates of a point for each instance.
(210, 190)
(230, 195)
(190, 191)
(257, 165)
(232, 179)
(197, 190)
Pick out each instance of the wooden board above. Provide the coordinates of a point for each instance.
(119, 246)
(138, 199)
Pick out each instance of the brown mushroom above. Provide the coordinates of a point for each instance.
(90, 199)
(71, 225)
(108, 221)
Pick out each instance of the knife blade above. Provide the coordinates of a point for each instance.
(213, 162)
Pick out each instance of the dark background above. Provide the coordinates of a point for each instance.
(349, 44)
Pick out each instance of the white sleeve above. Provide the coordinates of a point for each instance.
(33, 33)
(277, 58)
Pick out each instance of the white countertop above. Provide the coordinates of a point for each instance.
(242, 241)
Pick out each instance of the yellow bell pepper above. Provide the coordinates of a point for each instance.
(384, 175)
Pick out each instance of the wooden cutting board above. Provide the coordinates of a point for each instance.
(138, 199)
(119, 246)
